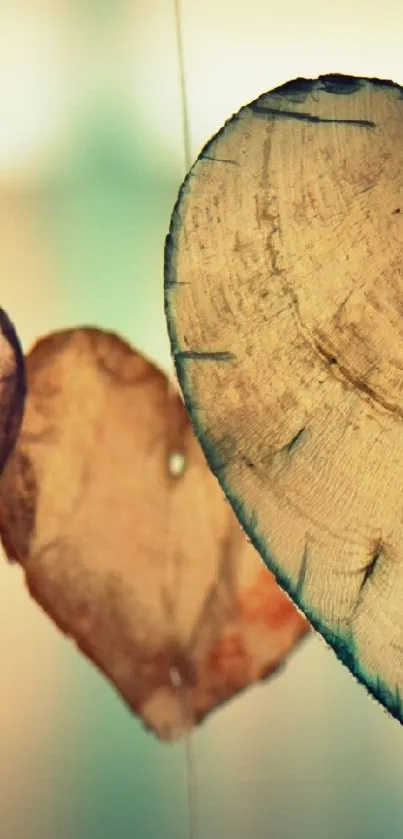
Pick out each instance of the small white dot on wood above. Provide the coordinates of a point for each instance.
(176, 464)
(175, 677)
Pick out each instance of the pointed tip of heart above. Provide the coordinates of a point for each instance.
(341, 642)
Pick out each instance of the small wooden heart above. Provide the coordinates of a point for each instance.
(127, 541)
(284, 301)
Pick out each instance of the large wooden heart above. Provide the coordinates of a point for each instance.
(126, 539)
(284, 301)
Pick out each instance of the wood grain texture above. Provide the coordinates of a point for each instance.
(284, 302)
(127, 541)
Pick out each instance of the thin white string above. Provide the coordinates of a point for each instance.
(176, 679)
(183, 100)
(176, 682)
(182, 87)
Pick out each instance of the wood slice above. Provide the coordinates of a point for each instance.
(284, 301)
(12, 387)
(127, 541)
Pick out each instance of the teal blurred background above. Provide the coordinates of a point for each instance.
(91, 158)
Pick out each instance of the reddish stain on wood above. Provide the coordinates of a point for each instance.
(265, 603)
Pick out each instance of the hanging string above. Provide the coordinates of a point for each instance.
(177, 684)
(177, 463)
(182, 87)
(184, 109)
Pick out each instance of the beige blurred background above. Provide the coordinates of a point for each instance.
(91, 158)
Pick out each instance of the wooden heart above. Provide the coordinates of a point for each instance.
(284, 301)
(12, 387)
(126, 539)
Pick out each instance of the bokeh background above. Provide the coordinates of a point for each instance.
(91, 158)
